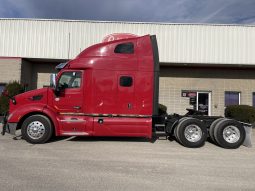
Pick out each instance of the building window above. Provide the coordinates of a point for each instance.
(253, 99)
(232, 98)
(2, 86)
(125, 48)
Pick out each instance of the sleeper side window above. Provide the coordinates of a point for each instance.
(125, 48)
(126, 81)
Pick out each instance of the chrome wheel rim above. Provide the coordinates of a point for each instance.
(193, 133)
(231, 134)
(35, 130)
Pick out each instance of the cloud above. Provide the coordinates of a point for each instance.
(180, 11)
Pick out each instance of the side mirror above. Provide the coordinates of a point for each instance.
(53, 84)
(53, 80)
(57, 91)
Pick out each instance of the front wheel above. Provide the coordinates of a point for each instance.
(37, 129)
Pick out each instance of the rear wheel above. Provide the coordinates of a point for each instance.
(191, 133)
(176, 130)
(212, 127)
(229, 134)
(37, 129)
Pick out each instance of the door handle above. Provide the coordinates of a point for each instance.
(77, 107)
(130, 106)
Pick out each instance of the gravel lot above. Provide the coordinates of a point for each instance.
(123, 164)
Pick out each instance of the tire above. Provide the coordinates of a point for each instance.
(37, 129)
(212, 127)
(176, 130)
(191, 133)
(175, 134)
(229, 134)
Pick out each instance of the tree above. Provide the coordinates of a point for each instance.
(11, 89)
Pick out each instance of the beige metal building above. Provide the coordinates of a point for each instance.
(202, 66)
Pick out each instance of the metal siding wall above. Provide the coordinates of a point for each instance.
(178, 43)
(33, 39)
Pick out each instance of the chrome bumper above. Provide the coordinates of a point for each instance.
(11, 128)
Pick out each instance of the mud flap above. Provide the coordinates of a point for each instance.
(248, 131)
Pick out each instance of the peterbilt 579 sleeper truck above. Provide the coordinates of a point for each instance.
(111, 89)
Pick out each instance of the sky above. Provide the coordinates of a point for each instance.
(166, 11)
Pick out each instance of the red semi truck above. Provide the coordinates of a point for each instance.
(111, 89)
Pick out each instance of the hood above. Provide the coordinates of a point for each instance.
(30, 97)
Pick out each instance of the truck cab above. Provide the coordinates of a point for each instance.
(109, 89)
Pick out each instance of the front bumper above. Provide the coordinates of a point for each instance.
(10, 128)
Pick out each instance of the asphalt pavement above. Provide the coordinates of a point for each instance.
(89, 163)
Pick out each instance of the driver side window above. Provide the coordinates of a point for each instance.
(70, 80)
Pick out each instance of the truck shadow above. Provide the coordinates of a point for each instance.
(106, 139)
(98, 139)
(110, 139)
(122, 139)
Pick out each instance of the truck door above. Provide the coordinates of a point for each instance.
(125, 94)
(69, 103)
